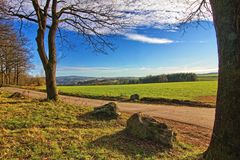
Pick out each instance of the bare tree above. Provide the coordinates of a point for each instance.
(7, 45)
(21, 60)
(91, 18)
(14, 56)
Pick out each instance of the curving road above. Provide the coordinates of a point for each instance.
(203, 117)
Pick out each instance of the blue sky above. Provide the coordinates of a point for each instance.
(145, 51)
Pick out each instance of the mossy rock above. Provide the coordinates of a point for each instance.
(145, 127)
(135, 97)
(107, 111)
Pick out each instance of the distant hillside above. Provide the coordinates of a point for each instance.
(179, 77)
(72, 80)
(81, 80)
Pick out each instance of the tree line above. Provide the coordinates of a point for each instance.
(176, 77)
(14, 56)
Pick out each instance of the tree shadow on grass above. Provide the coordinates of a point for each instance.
(16, 102)
(120, 121)
(130, 146)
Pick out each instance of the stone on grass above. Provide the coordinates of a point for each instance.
(134, 97)
(17, 95)
(145, 127)
(107, 111)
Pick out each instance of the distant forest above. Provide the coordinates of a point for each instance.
(177, 77)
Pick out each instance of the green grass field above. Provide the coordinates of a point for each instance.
(207, 77)
(195, 91)
(31, 129)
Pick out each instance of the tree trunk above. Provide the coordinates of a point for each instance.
(2, 74)
(9, 77)
(50, 62)
(225, 142)
(52, 58)
(51, 86)
(49, 66)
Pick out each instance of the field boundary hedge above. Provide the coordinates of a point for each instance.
(146, 100)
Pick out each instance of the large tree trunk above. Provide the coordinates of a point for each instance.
(49, 66)
(2, 74)
(225, 143)
(51, 83)
(52, 58)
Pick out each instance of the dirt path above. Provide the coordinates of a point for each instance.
(203, 117)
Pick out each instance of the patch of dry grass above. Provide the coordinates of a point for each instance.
(45, 130)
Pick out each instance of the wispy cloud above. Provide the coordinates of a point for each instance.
(146, 39)
(155, 13)
(161, 13)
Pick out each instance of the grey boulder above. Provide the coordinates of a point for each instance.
(145, 127)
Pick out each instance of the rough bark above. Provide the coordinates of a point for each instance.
(225, 143)
(49, 66)
(52, 62)
(51, 83)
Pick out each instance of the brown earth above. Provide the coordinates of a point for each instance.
(207, 99)
(195, 135)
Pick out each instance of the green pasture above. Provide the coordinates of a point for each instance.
(180, 90)
(207, 77)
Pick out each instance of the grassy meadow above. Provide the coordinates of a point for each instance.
(207, 77)
(32, 129)
(204, 91)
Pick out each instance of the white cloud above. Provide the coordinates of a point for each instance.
(146, 39)
(154, 13)
(161, 13)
